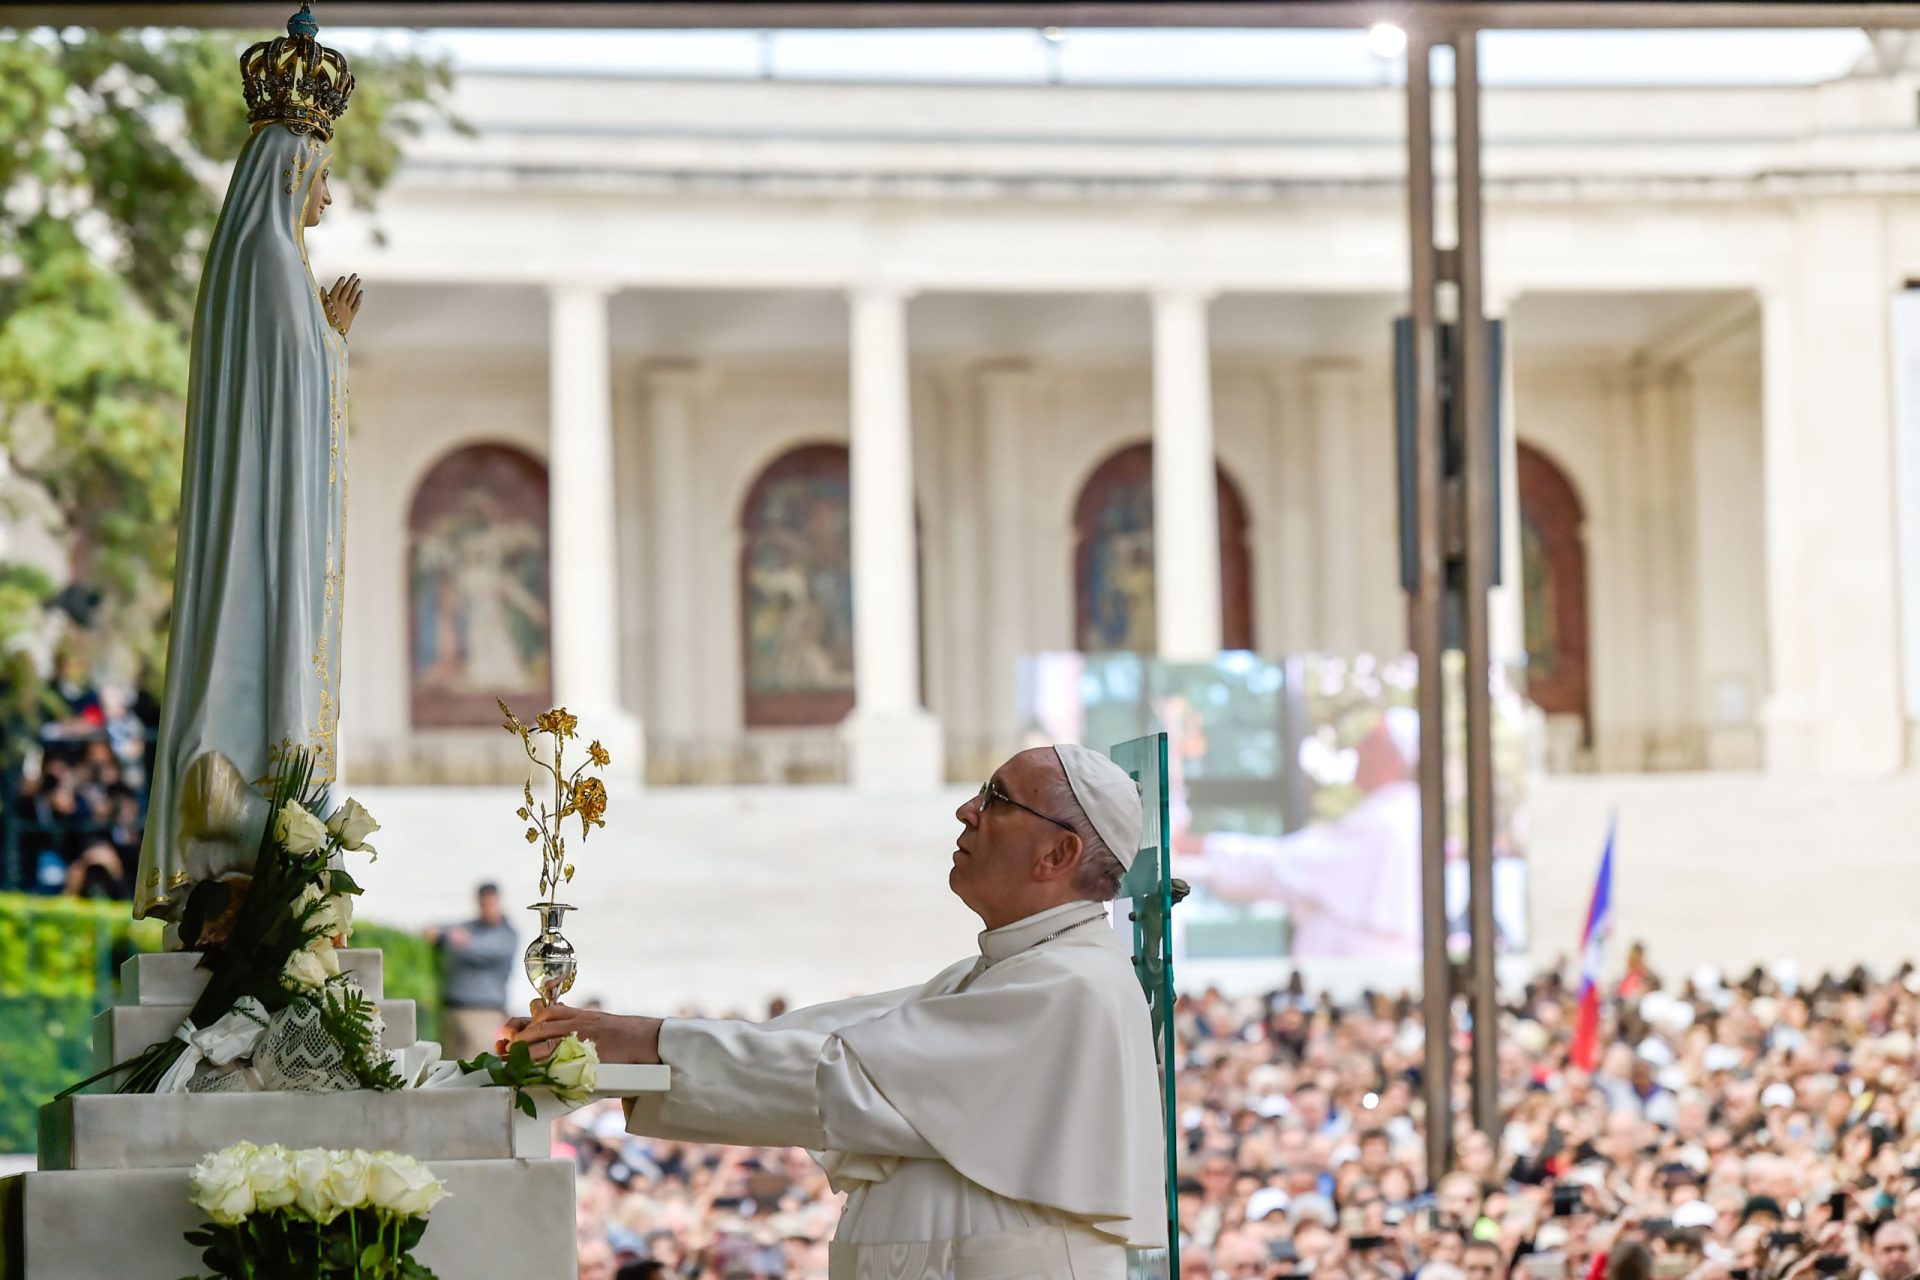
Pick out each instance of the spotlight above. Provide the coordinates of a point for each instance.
(1053, 34)
(1385, 40)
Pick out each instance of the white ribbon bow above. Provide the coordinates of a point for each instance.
(233, 1036)
(421, 1066)
(446, 1074)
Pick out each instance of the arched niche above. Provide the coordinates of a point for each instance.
(477, 588)
(1113, 558)
(796, 590)
(1553, 574)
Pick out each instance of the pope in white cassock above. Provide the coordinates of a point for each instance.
(1351, 885)
(1001, 1120)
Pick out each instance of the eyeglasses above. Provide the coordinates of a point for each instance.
(992, 794)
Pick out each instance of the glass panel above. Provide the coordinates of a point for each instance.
(1147, 894)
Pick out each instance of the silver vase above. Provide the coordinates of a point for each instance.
(549, 960)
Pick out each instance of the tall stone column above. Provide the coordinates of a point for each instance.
(584, 621)
(1832, 586)
(953, 569)
(1186, 515)
(1905, 340)
(1296, 538)
(1332, 388)
(672, 707)
(893, 743)
(1004, 390)
(1787, 715)
(1677, 709)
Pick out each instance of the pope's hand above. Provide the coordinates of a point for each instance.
(617, 1037)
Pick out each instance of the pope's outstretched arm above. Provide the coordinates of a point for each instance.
(767, 1085)
(786, 1082)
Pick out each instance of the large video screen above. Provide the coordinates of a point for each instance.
(1295, 806)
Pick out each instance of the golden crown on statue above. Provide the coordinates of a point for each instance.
(295, 80)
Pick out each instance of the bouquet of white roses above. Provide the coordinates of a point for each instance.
(277, 944)
(313, 1214)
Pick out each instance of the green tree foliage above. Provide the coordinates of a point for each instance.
(114, 150)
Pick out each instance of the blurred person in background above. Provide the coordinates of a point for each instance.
(1896, 1251)
(596, 1260)
(477, 962)
(1351, 886)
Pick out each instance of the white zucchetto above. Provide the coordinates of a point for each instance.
(1109, 796)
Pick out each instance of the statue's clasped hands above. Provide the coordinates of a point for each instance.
(343, 302)
(617, 1037)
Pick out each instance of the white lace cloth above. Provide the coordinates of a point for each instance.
(248, 1051)
(298, 1056)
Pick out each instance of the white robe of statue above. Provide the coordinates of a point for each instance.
(253, 654)
(1004, 1119)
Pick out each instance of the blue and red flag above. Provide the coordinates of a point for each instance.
(1585, 1052)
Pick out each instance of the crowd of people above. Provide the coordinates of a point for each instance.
(75, 806)
(1764, 1129)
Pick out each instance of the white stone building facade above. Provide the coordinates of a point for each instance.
(653, 293)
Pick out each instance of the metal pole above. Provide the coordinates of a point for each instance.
(1436, 999)
(1477, 458)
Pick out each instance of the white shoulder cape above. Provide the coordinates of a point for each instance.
(1037, 1081)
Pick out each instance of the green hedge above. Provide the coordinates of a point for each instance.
(412, 971)
(59, 965)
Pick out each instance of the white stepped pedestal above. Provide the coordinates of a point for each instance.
(158, 990)
(533, 1135)
(158, 1131)
(501, 1218)
(175, 977)
(126, 1029)
(111, 1196)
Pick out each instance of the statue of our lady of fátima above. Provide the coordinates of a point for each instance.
(253, 665)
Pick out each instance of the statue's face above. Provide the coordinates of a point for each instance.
(322, 197)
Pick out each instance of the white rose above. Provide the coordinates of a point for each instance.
(348, 1173)
(313, 1185)
(402, 1186)
(351, 825)
(424, 1192)
(309, 897)
(270, 1173)
(329, 957)
(298, 831)
(221, 1187)
(339, 916)
(333, 918)
(385, 1181)
(574, 1069)
(306, 970)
